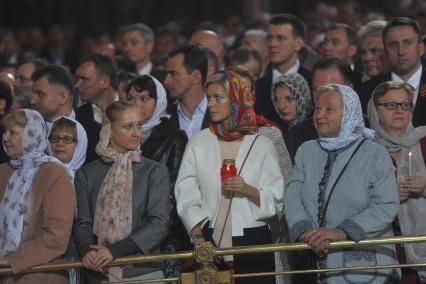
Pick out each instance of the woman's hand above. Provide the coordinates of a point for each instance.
(89, 260)
(319, 239)
(238, 185)
(4, 262)
(414, 185)
(103, 257)
(404, 193)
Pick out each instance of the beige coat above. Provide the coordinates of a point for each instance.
(47, 235)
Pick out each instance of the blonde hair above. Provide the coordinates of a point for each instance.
(381, 90)
(15, 117)
(218, 78)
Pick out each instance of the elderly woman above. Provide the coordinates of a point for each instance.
(326, 200)
(37, 201)
(163, 144)
(390, 112)
(122, 200)
(293, 102)
(231, 209)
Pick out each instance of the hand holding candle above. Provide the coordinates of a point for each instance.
(228, 170)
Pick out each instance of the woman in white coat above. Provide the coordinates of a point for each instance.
(231, 212)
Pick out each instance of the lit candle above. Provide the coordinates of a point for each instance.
(409, 163)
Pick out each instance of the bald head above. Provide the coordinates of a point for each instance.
(210, 40)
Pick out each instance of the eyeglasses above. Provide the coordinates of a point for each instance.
(65, 139)
(395, 105)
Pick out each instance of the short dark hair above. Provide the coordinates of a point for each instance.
(299, 27)
(350, 32)
(6, 95)
(403, 21)
(144, 83)
(343, 68)
(38, 62)
(104, 64)
(243, 54)
(195, 58)
(56, 75)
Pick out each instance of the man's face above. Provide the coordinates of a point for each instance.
(336, 45)
(281, 44)
(373, 56)
(135, 47)
(88, 84)
(178, 82)
(403, 50)
(23, 76)
(48, 98)
(322, 77)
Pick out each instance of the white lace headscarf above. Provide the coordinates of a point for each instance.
(352, 126)
(16, 203)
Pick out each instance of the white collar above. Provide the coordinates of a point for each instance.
(146, 70)
(413, 81)
(293, 69)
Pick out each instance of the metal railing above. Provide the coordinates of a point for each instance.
(205, 252)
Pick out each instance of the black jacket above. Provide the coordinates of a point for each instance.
(419, 114)
(166, 145)
(84, 115)
(264, 104)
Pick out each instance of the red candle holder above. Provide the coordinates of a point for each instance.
(228, 169)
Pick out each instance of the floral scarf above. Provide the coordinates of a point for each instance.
(113, 213)
(15, 207)
(300, 90)
(242, 118)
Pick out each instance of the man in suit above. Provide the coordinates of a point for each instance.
(186, 73)
(402, 38)
(340, 42)
(96, 84)
(285, 35)
(137, 43)
(53, 89)
(373, 59)
(212, 41)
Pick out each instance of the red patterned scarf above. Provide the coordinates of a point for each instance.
(243, 118)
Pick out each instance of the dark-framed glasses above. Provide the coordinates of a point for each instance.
(395, 105)
(66, 139)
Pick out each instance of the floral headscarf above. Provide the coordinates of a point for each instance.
(300, 90)
(352, 126)
(15, 207)
(242, 118)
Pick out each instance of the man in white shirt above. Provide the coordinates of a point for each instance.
(402, 38)
(186, 73)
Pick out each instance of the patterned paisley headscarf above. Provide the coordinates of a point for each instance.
(300, 90)
(113, 213)
(352, 126)
(242, 118)
(15, 207)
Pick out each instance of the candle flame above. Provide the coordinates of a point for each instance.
(409, 155)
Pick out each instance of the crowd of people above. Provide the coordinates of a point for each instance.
(272, 140)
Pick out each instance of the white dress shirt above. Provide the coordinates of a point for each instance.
(413, 81)
(192, 125)
(292, 70)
